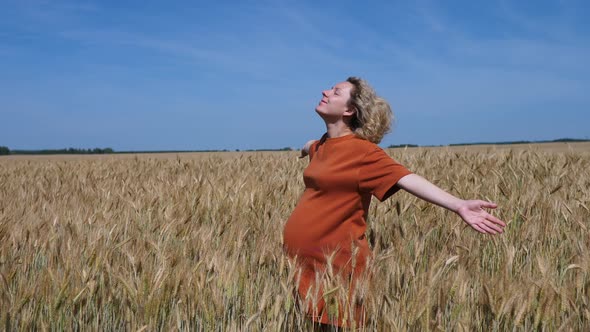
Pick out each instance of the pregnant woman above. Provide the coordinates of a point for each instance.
(325, 234)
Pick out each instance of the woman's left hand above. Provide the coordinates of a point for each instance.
(474, 215)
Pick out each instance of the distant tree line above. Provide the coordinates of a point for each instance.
(260, 150)
(560, 140)
(5, 151)
(403, 146)
(211, 150)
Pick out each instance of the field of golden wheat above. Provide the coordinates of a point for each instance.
(142, 242)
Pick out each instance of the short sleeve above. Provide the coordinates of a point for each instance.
(379, 174)
(313, 148)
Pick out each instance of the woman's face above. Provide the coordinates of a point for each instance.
(334, 103)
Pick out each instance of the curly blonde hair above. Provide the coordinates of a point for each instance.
(373, 116)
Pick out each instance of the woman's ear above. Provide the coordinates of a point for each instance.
(350, 111)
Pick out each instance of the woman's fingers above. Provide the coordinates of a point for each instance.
(495, 220)
(481, 220)
(487, 228)
(491, 221)
(493, 226)
(478, 228)
(488, 205)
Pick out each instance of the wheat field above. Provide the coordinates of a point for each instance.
(194, 242)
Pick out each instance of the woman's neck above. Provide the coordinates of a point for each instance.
(338, 129)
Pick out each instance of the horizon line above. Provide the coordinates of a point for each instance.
(71, 150)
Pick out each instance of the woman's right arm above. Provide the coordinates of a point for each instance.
(306, 147)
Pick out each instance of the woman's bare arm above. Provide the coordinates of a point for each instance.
(471, 211)
(305, 149)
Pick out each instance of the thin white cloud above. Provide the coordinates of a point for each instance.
(302, 37)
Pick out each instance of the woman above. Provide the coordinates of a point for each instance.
(326, 231)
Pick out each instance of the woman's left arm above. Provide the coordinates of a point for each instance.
(471, 211)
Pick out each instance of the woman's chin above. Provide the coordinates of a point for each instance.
(320, 112)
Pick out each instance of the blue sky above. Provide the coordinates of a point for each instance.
(146, 75)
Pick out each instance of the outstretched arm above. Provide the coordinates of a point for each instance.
(471, 211)
(305, 149)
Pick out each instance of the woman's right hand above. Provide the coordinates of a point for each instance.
(306, 147)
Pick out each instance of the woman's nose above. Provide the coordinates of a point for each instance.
(325, 93)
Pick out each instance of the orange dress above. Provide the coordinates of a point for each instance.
(330, 217)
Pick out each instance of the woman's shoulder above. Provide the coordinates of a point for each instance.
(364, 145)
(349, 144)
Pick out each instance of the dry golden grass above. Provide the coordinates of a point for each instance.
(195, 243)
(574, 147)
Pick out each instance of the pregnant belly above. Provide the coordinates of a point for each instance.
(314, 247)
